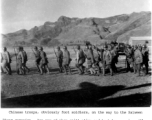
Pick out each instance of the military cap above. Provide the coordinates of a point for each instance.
(78, 46)
(4, 48)
(65, 47)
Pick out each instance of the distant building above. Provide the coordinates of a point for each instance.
(140, 40)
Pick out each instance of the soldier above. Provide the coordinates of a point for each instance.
(43, 62)
(25, 68)
(114, 53)
(66, 60)
(129, 57)
(80, 59)
(60, 59)
(97, 58)
(138, 59)
(134, 65)
(89, 58)
(145, 53)
(107, 58)
(20, 61)
(37, 57)
(6, 61)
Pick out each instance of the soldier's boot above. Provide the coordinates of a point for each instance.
(82, 69)
(138, 70)
(47, 69)
(65, 69)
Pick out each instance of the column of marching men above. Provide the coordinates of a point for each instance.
(98, 59)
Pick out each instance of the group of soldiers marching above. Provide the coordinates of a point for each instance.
(98, 59)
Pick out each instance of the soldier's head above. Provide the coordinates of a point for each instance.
(87, 44)
(58, 48)
(105, 47)
(65, 47)
(78, 47)
(41, 48)
(21, 48)
(144, 46)
(35, 47)
(5, 49)
(139, 47)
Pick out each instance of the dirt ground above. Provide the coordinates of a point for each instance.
(59, 90)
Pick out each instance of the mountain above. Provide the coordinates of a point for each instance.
(75, 30)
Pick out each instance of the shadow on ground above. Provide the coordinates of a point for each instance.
(89, 95)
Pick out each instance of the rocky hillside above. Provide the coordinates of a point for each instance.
(75, 30)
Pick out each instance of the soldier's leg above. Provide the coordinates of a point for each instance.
(47, 68)
(134, 67)
(78, 67)
(27, 69)
(138, 69)
(41, 66)
(2, 71)
(4, 66)
(146, 67)
(82, 68)
(110, 68)
(23, 68)
(103, 69)
(9, 68)
(128, 66)
(65, 68)
(99, 69)
(68, 67)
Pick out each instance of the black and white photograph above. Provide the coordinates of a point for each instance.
(75, 53)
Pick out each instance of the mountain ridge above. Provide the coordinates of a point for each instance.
(68, 30)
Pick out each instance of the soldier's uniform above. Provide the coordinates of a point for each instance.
(80, 59)
(60, 59)
(20, 62)
(90, 60)
(6, 61)
(114, 61)
(129, 58)
(37, 57)
(138, 60)
(107, 58)
(66, 60)
(25, 61)
(97, 59)
(145, 53)
(43, 62)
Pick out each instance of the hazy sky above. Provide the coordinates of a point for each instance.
(25, 14)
